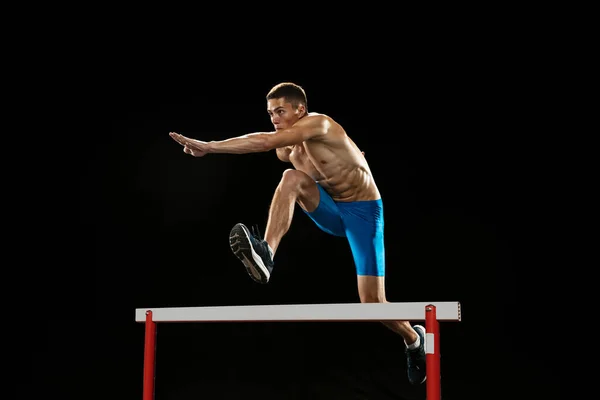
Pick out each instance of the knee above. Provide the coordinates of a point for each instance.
(293, 180)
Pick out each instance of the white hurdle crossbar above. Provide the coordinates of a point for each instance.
(430, 312)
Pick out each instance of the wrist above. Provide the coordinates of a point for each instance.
(211, 147)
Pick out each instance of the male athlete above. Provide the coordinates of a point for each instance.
(331, 181)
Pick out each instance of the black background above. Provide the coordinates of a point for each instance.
(450, 150)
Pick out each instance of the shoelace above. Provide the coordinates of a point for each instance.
(261, 242)
(256, 233)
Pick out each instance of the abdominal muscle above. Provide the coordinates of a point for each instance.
(344, 180)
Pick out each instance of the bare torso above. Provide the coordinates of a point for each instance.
(337, 164)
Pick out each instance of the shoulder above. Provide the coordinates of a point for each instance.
(318, 119)
(317, 116)
(320, 126)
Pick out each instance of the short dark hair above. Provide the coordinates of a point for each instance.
(292, 92)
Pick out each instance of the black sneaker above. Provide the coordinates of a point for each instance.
(253, 251)
(417, 373)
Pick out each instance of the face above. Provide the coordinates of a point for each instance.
(282, 114)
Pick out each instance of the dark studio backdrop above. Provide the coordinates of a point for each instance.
(447, 154)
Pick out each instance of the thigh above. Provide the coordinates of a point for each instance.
(363, 222)
(302, 186)
(326, 215)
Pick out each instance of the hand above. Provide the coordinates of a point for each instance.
(196, 148)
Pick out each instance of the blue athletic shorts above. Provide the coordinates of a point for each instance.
(361, 222)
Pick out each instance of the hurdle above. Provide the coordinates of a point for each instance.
(430, 312)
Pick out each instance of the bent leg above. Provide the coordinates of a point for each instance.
(295, 187)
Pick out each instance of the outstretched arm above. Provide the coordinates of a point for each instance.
(308, 127)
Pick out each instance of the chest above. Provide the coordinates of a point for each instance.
(302, 154)
(298, 153)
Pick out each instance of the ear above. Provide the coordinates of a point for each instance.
(301, 110)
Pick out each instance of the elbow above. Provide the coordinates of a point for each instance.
(283, 156)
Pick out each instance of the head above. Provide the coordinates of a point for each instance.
(286, 104)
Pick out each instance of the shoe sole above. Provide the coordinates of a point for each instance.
(239, 241)
(424, 338)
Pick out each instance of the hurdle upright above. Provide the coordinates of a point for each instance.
(430, 312)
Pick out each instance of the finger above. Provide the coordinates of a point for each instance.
(174, 136)
(188, 142)
(189, 150)
(192, 146)
(178, 138)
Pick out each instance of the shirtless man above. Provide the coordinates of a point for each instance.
(332, 183)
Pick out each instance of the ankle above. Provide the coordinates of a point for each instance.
(414, 345)
(270, 249)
